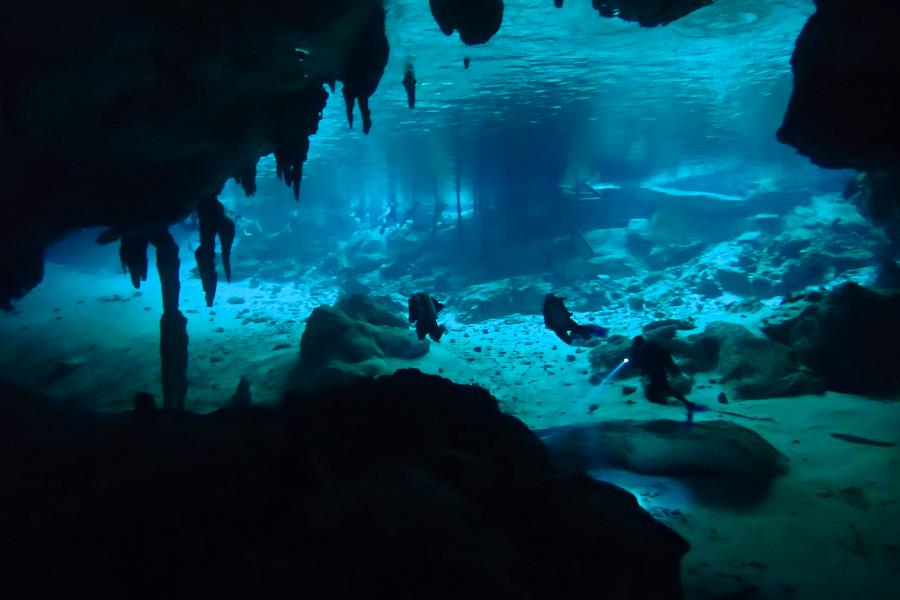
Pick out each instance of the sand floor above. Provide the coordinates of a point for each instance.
(830, 528)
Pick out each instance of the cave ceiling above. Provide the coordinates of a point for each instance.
(129, 115)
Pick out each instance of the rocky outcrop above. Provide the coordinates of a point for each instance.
(846, 67)
(648, 13)
(819, 242)
(351, 339)
(877, 196)
(408, 482)
(720, 460)
(753, 367)
(472, 487)
(848, 338)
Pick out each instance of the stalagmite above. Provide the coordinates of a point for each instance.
(173, 345)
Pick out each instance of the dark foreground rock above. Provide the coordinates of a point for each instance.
(719, 460)
(404, 486)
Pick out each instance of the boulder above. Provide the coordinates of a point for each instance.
(331, 334)
(847, 337)
(754, 367)
(350, 340)
(719, 460)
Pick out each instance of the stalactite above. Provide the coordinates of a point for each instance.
(246, 178)
(409, 84)
(213, 222)
(173, 339)
(289, 165)
(348, 105)
(133, 254)
(167, 265)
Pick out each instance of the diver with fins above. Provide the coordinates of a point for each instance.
(558, 319)
(656, 364)
(423, 311)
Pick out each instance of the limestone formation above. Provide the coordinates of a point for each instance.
(213, 224)
(848, 338)
(365, 65)
(173, 350)
(133, 254)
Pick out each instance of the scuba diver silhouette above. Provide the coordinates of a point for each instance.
(655, 364)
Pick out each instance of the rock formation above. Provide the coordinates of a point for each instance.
(720, 460)
(213, 223)
(408, 482)
(843, 109)
(848, 338)
(352, 339)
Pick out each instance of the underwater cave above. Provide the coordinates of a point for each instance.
(521, 299)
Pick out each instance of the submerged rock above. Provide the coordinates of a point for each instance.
(754, 367)
(350, 340)
(720, 460)
(848, 338)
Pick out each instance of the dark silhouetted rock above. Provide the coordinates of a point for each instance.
(173, 350)
(846, 67)
(408, 482)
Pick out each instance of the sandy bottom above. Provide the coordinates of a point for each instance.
(830, 528)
